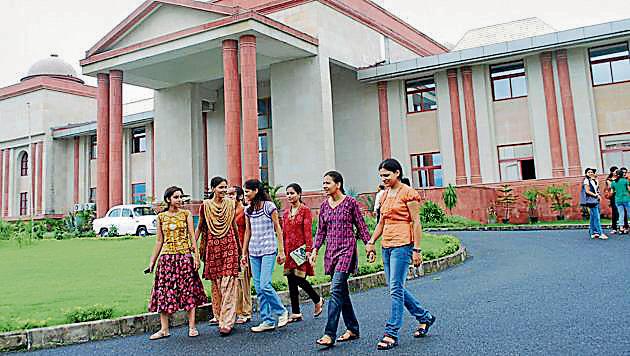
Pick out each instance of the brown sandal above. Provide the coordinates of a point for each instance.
(319, 308)
(325, 341)
(347, 336)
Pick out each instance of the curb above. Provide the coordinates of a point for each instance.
(513, 228)
(69, 334)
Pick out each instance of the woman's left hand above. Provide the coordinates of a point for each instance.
(197, 263)
(281, 258)
(417, 259)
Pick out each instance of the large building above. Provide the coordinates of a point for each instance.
(286, 90)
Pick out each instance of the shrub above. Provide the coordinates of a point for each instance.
(431, 213)
(21, 324)
(279, 285)
(450, 198)
(112, 230)
(560, 199)
(95, 312)
(507, 199)
(6, 230)
(368, 200)
(369, 268)
(532, 195)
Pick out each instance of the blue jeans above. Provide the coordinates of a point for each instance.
(268, 300)
(623, 209)
(340, 303)
(595, 226)
(396, 262)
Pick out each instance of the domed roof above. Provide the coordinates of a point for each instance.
(52, 66)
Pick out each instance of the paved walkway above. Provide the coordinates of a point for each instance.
(546, 293)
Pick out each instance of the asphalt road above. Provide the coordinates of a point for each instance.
(522, 293)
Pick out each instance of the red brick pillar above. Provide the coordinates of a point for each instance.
(33, 173)
(204, 155)
(232, 100)
(1, 180)
(102, 145)
(75, 172)
(456, 121)
(5, 206)
(471, 126)
(570, 131)
(383, 115)
(557, 164)
(249, 91)
(115, 138)
(40, 177)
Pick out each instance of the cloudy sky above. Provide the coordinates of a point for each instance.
(33, 29)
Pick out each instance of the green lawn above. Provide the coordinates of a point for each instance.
(43, 281)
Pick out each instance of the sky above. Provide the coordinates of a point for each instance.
(33, 29)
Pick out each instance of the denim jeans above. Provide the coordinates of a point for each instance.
(595, 226)
(340, 303)
(396, 262)
(623, 209)
(268, 300)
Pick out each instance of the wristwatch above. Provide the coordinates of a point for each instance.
(418, 250)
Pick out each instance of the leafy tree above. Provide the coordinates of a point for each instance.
(450, 198)
(507, 199)
(532, 195)
(560, 199)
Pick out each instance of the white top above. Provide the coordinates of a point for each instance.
(377, 200)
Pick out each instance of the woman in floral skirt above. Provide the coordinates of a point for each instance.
(177, 284)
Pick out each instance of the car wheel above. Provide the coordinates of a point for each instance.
(103, 232)
(142, 231)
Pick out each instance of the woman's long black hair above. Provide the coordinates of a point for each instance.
(337, 178)
(240, 194)
(169, 193)
(613, 169)
(297, 189)
(214, 182)
(261, 196)
(393, 165)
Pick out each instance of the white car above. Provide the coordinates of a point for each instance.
(138, 220)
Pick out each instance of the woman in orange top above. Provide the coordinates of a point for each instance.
(401, 231)
(244, 286)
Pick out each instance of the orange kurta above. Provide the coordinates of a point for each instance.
(398, 225)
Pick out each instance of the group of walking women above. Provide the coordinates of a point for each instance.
(617, 192)
(241, 234)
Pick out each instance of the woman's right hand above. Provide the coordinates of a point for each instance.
(244, 260)
(313, 259)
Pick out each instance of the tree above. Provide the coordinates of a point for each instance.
(450, 198)
(532, 195)
(560, 199)
(507, 199)
(273, 193)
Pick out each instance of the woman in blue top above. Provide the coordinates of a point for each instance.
(262, 226)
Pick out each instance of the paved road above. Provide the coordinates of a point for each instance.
(551, 293)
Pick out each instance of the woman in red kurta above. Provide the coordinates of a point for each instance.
(297, 227)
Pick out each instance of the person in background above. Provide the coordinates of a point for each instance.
(177, 285)
(243, 290)
(611, 198)
(339, 216)
(589, 197)
(377, 202)
(297, 225)
(263, 245)
(621, 189)
(221, 252)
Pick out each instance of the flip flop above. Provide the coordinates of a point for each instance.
(347, 336)
(387, 345)
(321, 309)
(295, 318)
(325, 344)
(159, 335)
(193, 332)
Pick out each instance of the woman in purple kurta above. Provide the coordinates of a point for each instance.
(338, 216)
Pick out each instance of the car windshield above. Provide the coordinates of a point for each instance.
(143, 211)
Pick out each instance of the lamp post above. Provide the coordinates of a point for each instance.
(31, 167)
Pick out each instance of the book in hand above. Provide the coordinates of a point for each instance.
(299, 255)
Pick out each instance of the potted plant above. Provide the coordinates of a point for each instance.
(450, 198)
(532, 195)
(560, 199)
(507, 199)
(492, 215)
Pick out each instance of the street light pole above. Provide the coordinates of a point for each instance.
(31, 167)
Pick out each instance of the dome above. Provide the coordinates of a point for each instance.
(52, 66)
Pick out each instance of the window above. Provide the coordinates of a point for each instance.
(126, 213)
(610, 64)
(23, 204)
(264, 114)
(92, 197)
(263, 156)
(508, 81)
(421, 95)
(616, 151)
(93, 147)
(426, 170)
(24, 165)
(139, 193)
(516, 162)
(143, 211)
(114, 213)
(139, 140)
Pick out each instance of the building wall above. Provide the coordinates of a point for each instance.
(511, 118)
(613, 107)
(423, 132)
(538, 116)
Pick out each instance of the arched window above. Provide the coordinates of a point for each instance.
(24, 165)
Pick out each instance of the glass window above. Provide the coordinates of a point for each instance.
(114, 213)
(427, 170)
(143, 211)
(616, 151)
(126, 213)
(264, 114)
(610, 64)
(92, 197)
(139, 140)
(421, 95)
(139, 193)
(24, 165)
(508, 80)
(263, 156)
(516, 162)
(93, 147)
(23, 203)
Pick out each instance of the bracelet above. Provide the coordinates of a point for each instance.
(418, 250)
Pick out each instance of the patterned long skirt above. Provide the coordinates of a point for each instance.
(177, 285)
(222, 259)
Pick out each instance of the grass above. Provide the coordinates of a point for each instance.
(44, 283)
(555, 222)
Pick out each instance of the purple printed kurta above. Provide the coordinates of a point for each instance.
(336, 228)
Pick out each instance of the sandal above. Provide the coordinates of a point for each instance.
(243, 319)
(423, 328)
(295, 318)
(159, 335)
(225, 331)
(319, 308)
(193, 332)
(347, 336)
(325, 341)
(214, 321)
(385, 344)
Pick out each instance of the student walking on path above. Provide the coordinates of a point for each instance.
(177, 285)
(298, 236)
(589, 197)
(621, 189)
(401, 234)
(339, 215)
(244, 289)
(263, 246)
(220, 249)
